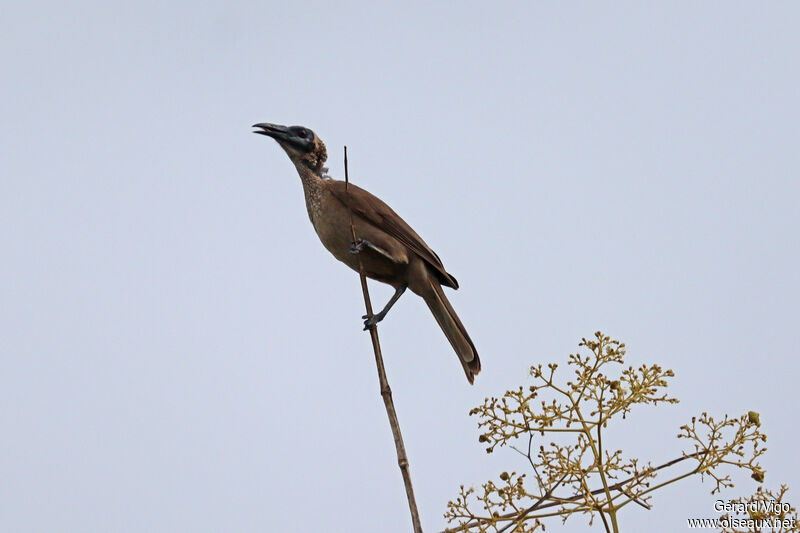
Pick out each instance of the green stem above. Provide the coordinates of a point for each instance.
(599, 462)
(656, 487)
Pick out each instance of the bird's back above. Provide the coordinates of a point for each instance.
(375, 211)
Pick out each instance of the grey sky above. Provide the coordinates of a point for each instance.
(179, 353)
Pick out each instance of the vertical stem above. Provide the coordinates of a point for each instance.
(386, 391)
(612, 512)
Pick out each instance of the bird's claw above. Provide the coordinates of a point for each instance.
(370, 321)
(358, 246)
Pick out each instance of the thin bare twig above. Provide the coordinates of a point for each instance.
(530, 460)
(619, 486)
(386, 392)
(535, 506)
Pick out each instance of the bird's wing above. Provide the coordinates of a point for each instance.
(382, 216)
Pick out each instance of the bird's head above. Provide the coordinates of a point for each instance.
(301, 144)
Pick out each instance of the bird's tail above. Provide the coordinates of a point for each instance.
(453, 329)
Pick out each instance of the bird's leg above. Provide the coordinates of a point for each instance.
(362, 245)
(370, 321)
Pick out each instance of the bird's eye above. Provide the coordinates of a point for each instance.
(302, 133)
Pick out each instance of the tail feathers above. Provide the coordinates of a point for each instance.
(453, 329)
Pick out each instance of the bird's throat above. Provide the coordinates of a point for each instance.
(313, 187)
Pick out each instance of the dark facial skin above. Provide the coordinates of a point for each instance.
(298, 137)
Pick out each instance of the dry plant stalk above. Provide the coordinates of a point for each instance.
(386, 392)
(574, 470)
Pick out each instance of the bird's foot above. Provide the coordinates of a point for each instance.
(363, 244)
(370, 321)
(359, 246)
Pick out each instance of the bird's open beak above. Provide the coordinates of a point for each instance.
(276, 131)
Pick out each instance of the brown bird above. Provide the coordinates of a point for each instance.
(389, 250)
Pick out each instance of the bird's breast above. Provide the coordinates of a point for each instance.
(314, 193)
(332, 224)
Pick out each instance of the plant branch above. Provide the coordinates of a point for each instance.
(386, 391)
(619, 486)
